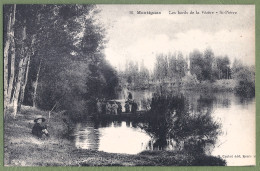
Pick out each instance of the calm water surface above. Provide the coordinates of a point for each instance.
(235, 115)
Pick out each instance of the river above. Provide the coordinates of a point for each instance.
(232, 136)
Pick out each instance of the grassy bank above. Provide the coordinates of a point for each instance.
(23, 149)
(218, 85)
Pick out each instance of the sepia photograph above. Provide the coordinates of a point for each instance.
(129, 85)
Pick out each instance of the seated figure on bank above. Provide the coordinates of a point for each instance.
(39, 129)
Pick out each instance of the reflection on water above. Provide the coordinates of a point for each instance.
(113, 137)
(198, 123)
(238, 127)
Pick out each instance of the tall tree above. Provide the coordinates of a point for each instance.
(9, 18)
(172, 66)
(196, 64)
(208, 64)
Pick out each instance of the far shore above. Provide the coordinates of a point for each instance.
(218, 85)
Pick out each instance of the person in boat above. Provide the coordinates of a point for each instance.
(99, 107)
(130, 96)
(39, 129)
(134, 107)
(127, 107)
(114, 108)
(108, 108)
(119, 109)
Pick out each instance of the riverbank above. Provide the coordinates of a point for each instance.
(23, 149)
(217, 86)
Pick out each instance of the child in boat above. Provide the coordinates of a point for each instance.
(114, 108)
(39, 129)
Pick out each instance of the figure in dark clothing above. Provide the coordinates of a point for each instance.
(127, 107)
(130, 96)
(119, 109)
(39, 129)
(134, 107)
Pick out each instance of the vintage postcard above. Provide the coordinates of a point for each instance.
(129, 85)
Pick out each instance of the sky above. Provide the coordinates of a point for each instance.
(141, 36)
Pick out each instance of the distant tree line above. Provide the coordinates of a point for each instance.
(205, 66)
(53, 55)
(197, 67)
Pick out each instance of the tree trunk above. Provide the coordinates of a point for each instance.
(9, 40)
(36, 85)
(17, 89)
(26, 70)
(24, 82)
(6, 51)
(227, 73)
(12, 70)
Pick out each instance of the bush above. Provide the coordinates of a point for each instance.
(190, 81)
(245, 82)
